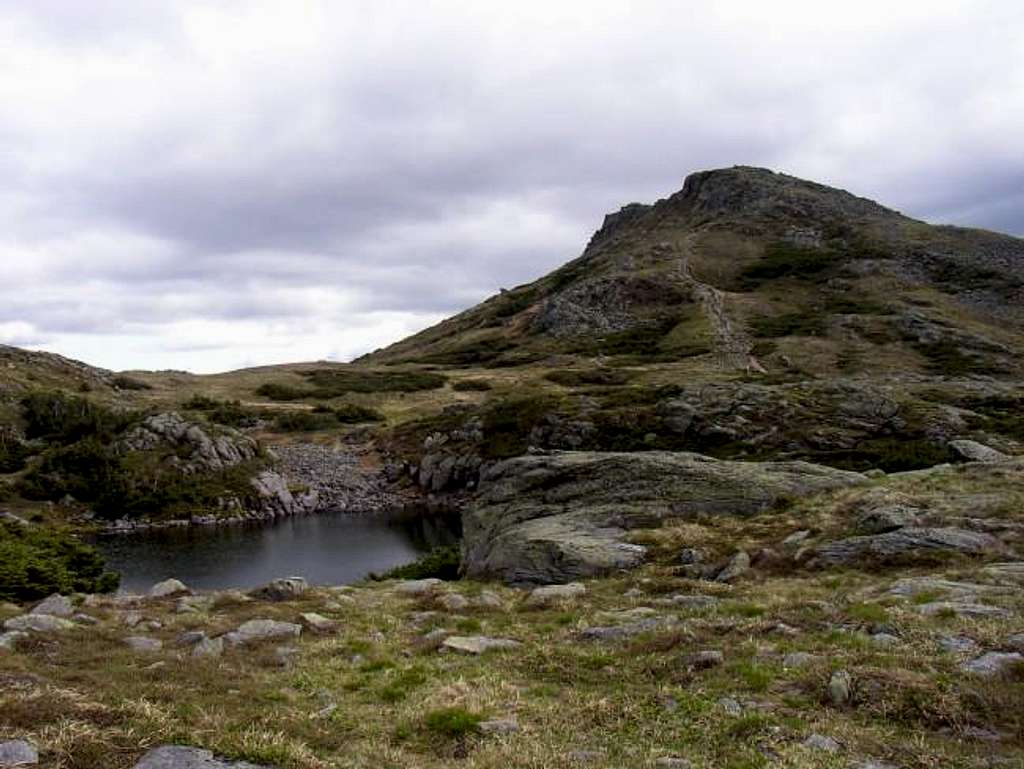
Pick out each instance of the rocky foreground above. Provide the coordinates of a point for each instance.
(875, 623)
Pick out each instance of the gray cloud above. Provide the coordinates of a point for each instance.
(201, 186)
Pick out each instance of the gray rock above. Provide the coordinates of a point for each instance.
(131, 618)
(884, 639)
(730, 705)
(585, 756)
(972, 451)
(549, 594)
(168, 588)
(957, 644)
(671, 762)
(910, 587)
(38, 623)
(993, 663)
(8, 639)
(56, 606)
(821, 742)
(454, 602)
(477, 644)
(418, 587)
(738, 565)
(488, 599)
(499, 726)
(181, 757)
(190, 638)
(261, 630)
(208, 647)
(556, 517)
(961, 609)
(284, 656)
(888, 518)
(619, 632)
(798, 659)
(694, 601)
(18, 753)
(84, 619)
(284, 589)
(317, 622)
(796, 539)
(144, 644)
(1015, 642)
(906, 545)
(840, 688)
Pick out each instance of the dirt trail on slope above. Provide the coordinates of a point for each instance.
(732, 344)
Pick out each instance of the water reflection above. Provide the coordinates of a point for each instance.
(331, 548)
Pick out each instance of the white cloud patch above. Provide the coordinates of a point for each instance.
(204, 186)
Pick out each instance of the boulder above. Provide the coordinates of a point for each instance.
(317, 622)
(560, 516)
(284, 589)
(992, 664)
(8, 639)
(906, 545)
(18, 753)
(56, 605)
(181, 757)
(261, 630)
(144, 644)
(208, 647)
(737, 566)
(39, 623)
(961, 609)
(168, 588)
(549, 594)
(840, 688)
(418, 587)
(972, 451)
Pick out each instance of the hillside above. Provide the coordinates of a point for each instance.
(752, 270)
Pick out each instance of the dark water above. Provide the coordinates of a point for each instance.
(330, 548)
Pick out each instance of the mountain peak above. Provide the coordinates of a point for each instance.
(752, 191)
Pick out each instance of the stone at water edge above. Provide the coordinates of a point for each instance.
(181, 757)
(56, 605)
(169, 588)
(40, 623)
(284, 589)
(18, 753)
(542, 596)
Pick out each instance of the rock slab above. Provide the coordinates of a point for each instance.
(554, 518)
(18, 753)
(181, 757)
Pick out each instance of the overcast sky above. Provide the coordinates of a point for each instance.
(214, 185)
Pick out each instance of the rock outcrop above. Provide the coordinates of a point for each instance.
(907, 545)
(198, 449)
(557, 517)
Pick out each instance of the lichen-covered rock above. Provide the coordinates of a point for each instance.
(261, 630)
(906, 545)
(38, 623)
(561, 516)
(203, 449)
(283, 589)
(181, 757)
(56, 605)
(972, 451)
(168, 588)
(18, 753)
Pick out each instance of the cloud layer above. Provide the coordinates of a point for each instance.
(207, 186)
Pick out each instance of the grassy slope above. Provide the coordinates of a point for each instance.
(90, 701)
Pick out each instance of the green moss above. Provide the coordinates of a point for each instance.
(452, 723)
(330, 383)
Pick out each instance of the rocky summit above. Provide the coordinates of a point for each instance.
(740, 485)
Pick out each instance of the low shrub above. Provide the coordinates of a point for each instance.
(351, 413)
(785, 260)
(596, 376)
(453, 723)
(304, 421)
(281, 392)
(330, 383)
(62, 418)
(230, 413)
(36, 562)
(440, 563)
(125, 382)
(471, 385)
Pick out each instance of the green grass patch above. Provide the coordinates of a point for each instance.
(452, 723)
(441, 563)
(330, 383)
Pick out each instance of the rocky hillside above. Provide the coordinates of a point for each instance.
(752, 270)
